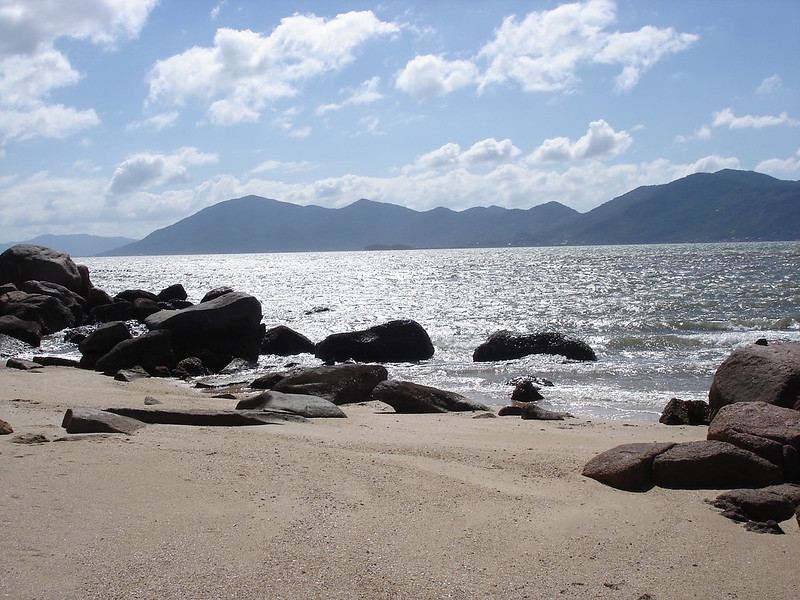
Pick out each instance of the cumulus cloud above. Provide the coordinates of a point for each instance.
(366, 93)
(244, 71)
(142, 171)
(157, 122)
(31, 67)
(726, 118)
(701, 133)
(781, 167)
(770, 85)
(487, 151)
(284, 166)
(600, 141)
(429, 76)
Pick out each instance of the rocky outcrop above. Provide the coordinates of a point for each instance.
(51, 314)
(341, 384)
(92, 420)
(208, 418)
(506, 345)
(771, 503)
(685, 412)
(407, 397)
(758, 373)
(299, 404)
(283, 341)
(27, 262)
(29, 332)
(395, 341)
(101, 341)
(532, 411)
(150, 350)
(626, 467)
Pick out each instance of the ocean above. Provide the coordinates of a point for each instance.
(661, 318)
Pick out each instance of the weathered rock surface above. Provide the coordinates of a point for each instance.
(772, 503)
(712, 464)
(341, 384)
(506, 345)
(29, 332)
(101, 341)
(150, 350)
(684, 412)
(407, 397)
(208, 418)
(770, 431)
(299, 404)
(532, 411)
(5, 428)
(51, 314)
(395, 341)
(626, 467)
(92, 420)
(25, 262)
(283, 341)
(760, 373)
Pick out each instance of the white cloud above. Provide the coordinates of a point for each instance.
(429, 76)
(701, 133)
(157, 122)
(487, 151)
(788, 168)
(284, 166)
(214, 14)
(31, 67)
(600, 141)
(366, 93)
(726, 118)
(142, 171)
(244, 71)
(770, 85)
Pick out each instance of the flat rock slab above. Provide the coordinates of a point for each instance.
(299, 404)
(208, 418)
(93, 420)
(407, 397)
(627, 467)
(533, 412)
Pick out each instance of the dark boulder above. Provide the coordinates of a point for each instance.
(190, 367)
(216, 293)
(22, 364)
(92, 420)
(526, 391)
(131, 295)
(46, 310)
(712, 465)
(510, 411)
(299, 404)
(341, 384)
(29, 332)
(56, 361)
(208, 417)
(772, 503)
(506, 345)
(26, 262)
(283, 341)
(395, 341)
(121, 310)
(229, 324)
(144, 307)
(407, 397)
(684, 412)
(150, 350)
(104, 338)
(172, 292)
(626, 467)
(758, 373)
(96, 297)
(75, 303)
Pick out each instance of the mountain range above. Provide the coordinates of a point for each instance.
(728, 205)
(79, 244)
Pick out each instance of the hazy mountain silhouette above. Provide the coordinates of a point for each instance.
(724, 206)
(79, 244)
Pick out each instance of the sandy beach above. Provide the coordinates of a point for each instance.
(378, 505)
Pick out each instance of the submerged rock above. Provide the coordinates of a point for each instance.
(505, 345)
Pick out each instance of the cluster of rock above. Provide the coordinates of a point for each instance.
(753, 441)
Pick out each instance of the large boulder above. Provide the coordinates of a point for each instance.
(92, 420)
(758, 373)
(711, 464)
(626, 467)
(407, 397)
(684, 412)
(341, 384)
(29, 332)
(228, 324)
(101, 341)
(46, 310)
(395, 341)
(73, 301)
(150, 350)
(283, 341)
(770, 431)
(772, 503)
(299, 404)
(25, 262)
(506, 345)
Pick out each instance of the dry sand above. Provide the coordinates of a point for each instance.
(375, 506)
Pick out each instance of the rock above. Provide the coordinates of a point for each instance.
(763, 527)
(395, 341)
(510, 411)
(73, 301)
(51, 314)
(407, 397)
(284, 341)
(532, 411)
(526, 391)
(149, 350)
(485, 415)
(55, 361)
(505, 345)
(132, 295)
(190, 367)
(150, 401)
(92, 420)
(684, 412)
(626, 467)
(712, 464)
(208, 418)
(95, 297)
(21, 364)
(25, 262)
(101, 341)
(299, 404)
(229, 324)
(11, 346)
(758, 373)
(30, 438)
(772, 503)
(268, 381)
(341, 384)
(29, 332)
(767, 430)
(216, 293)
(173, 292)
(128, 375)
(121, 310)
(144, 307)
(5, 428)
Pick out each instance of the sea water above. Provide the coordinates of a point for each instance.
(661, 318)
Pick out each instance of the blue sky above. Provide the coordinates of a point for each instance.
(118, 117)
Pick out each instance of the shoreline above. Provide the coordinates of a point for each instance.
(378, 505)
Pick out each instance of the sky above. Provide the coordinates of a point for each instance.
(119, 117)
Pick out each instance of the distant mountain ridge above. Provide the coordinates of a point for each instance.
(79, 244)
(705, 207)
